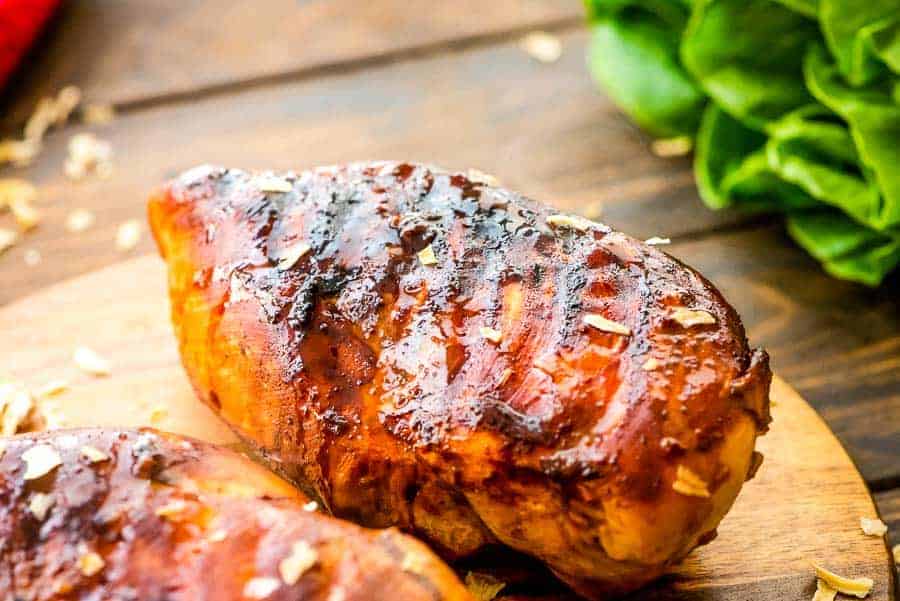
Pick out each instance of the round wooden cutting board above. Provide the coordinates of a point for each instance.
(804, 504)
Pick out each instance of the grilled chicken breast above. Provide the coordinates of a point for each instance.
(425, 350)
(141, 515)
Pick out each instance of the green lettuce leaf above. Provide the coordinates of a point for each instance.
(634, 55)
(862, 36)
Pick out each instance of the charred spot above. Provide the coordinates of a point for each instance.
(497, 415)
(335, 423)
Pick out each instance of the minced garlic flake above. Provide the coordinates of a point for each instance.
(427, 257)
(671, 147)
(650, 364)
(8, 239)
(311, 506)
(27, 217)
(414, 563)
(542, 46)
(158, 413)
(606, 325)
(217, 536)
(15, 190)
(79, 220)
(90, 563)
(19, 152)
(505, 376)
(171, 509)
(302, 558)
(692, 317)
(260, 588)
(32, 257)
(93, 454)
(40, 505)
(690, 484)
(90, 362)
(573, 222)
(17, 409)
(52, 111)
(657, 241)
(491, 334)
(483, 587)
(823, 591)
(873, 527)
(40, 460)
(481, 177)
(98, 114)
(87, 154)
(274, 184)
(128, 235)
(858, 587)
(51, 388)
(289, 256)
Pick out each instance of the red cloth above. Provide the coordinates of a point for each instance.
(20, 23)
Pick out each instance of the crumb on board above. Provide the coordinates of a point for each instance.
(542, 46)
(128, 235)
(88, 361)
(858, 587)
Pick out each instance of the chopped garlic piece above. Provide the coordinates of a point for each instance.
(491, 334)
(51, 388)
(19, 152)
(32, 257)
(260, 588)
(656, 241)
(98, 114)
(93, 454)
(483, 586)
(311, 506)
(8, 239)
(505, 376)
(542, 46)
(414, 563)
(873, 527)
(858, 587)
(14, 190)
(217, 536)
(40, 505)
(290, 255)
(158, 413)
(87, 154)
(594, 210)
(573, 222)
(79, 220)
(40, 460)
(692, 317)
(650, 364)
(90, 563)
(302, 558)
(16, 408)
(172, 509)
(427, 257)
(128, 235)
(671, 147)
(690, 484)
(823, 591)
(605, 325)
(270, 183)
(90, 362)
(26, 216)
(481, 177)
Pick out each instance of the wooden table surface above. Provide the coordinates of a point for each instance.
(295, 83)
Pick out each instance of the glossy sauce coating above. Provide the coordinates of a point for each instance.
(146, 516)
(423, 350)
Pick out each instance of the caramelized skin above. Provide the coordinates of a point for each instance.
(167, 518)
(361, 370)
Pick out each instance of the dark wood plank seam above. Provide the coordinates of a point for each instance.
(343, 67)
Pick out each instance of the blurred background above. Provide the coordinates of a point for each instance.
(614, 110)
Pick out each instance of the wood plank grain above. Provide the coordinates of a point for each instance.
(542, 129)
(803, 505)
(838, 343)
(129, 51)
